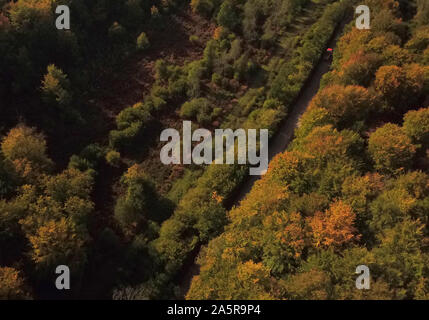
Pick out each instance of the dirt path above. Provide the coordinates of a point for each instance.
(280, 141)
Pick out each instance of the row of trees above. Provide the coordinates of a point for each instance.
(348, 191)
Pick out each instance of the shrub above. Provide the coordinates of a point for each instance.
(113, 158)
(194, 39)
(136, 113)
(273, 104)
(56, 89)
(216, 112)
(217, 79)
(161, 70)
(139, 203)
(198, 109)
(117, 32)
(142, 42)
(227, 16)
(195, 73)
(120, 139)
(204, 7)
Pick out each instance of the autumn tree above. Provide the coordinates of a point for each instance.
(400, 261)
(419, 40)
(312, 117)
(416, 126)
(8, 176)
(359, 192)
(400, 86)
(31, 23)
(333, 228)
(422, 16)
(336, 156)
(391, 149)
(345, 105)
(55, 220)
(288, 169)
(285, 241)
(12, 285)
(405, 196)
(56, 87)
(310, 285)
(359, 69)
(26, 149)
(59, 242)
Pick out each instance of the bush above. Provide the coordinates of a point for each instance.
(121, 139)
(273, 104)
(117, 32)
(198, 109)
(140, 202)
(195, 72)
(142, 42)
(227, 16)
(194, 39)
(216, 112)
(79, 163)
(161, 70)
(113, 158)
(217, 79)
(136, 113)
(204, 7)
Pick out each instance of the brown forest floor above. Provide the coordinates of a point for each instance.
(171, 44)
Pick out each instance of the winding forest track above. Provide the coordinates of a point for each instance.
(278, 143)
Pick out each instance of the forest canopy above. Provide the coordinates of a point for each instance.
(82, 185)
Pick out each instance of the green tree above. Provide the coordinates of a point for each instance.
(400, 261)
(227, 16)
(250, 20)
(139, 202)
